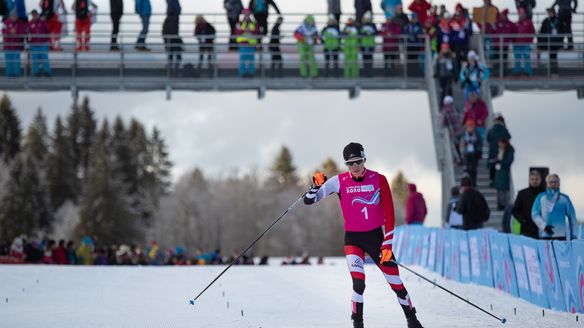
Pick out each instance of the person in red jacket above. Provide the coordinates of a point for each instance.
(38, 30)
(13, 33)
(367, 207)
(415, 207)
(421, 8)
(391, 31)
(501, 39)
(522, 44)
(476, 111)
(60, 253)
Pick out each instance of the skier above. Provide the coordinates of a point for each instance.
(367, 205)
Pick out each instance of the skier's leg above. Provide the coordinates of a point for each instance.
(391, 273)
(355, 261)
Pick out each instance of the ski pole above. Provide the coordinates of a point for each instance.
(192, 302)
(502, 320)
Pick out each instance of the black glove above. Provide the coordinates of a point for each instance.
(549, 230)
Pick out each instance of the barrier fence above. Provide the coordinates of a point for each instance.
(549, 274)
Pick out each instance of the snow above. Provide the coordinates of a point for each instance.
(269, 296)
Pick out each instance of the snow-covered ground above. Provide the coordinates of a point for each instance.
(268, 296)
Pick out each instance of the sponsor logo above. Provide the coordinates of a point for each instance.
(374, 200)
(358, 263)
(357, 189)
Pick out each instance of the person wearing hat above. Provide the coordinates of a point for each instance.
(504, 26)
(367, 33)
(470, 147)
(38, 31)
(444, 70)
(367, 206)
(451, 119)
(351, 49)
(331, 39)
(472, 74)
(495, 134)
(306, 36)
(247, 32)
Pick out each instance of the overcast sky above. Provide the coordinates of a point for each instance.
(222, 132)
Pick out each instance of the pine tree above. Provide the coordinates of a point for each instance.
(105, 211)
(283, 171)
(87, 131)
(10, 133)
(400, 193)
(25, 208)
(37, 138)
(61, 171)
(160, 166)
(330, 168)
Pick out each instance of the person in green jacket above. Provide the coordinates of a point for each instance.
(503, 176)
(331, 39)
(307, 37)
(497, 132)
(367, 32)
(351, 49)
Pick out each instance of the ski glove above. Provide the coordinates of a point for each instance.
(549, 230)
(386, 255)
(318, 179)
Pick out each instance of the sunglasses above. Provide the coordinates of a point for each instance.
(355, 162)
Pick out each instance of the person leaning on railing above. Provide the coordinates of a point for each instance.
(550, 39)
(330, 37)
(248, 33)
(205, 33)
(351, 49)
(522, 44)
(53, 10)
(391, 31)
(306, 36)
(13, 40)
(277, 64)
(367, 32)
(83, 22)
(38, 31)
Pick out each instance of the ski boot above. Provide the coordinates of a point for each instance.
(357, 321)
(413, 322)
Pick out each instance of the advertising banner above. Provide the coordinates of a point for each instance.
(578, 255)
(534, 272)
(516, 243)
(432, 244)
(465, 275)
(480, 257)
(551, 277)
(503, 268)
(568, 275)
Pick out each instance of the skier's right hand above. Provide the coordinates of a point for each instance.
(318, 179)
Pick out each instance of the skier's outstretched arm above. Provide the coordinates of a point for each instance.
(321, 188)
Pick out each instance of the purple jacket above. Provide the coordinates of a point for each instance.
(13, 34)
(38, 31)
(415, 207)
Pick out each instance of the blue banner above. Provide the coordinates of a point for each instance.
(503, 269)
(534, 272)
(465, 275)
(578, 252)
(568, 276)
(448, 267)
(432, 245)
(425, 248)
(480, 257)
(551, 281)
(455, 237)
(398, 235)
(440, 238)
(417, 246)
(516, 243)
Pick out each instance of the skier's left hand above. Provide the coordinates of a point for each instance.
(386, 255)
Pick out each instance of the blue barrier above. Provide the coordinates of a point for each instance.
(548, 274)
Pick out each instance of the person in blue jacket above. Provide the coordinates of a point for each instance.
(144, 10)
(553, 212)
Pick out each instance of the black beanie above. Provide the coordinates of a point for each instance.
(353, 150)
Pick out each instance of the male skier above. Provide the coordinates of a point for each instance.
(367, 205)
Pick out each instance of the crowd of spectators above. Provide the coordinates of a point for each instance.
(449, 33)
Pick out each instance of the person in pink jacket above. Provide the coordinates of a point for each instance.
(415, 207)
(476, 110)
(13, 33)
(522, 44)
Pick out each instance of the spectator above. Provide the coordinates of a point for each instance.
(260, 9)
(420, 8)
(444, 70)
(391, 31)
(60, 253)
(116, 12)
(453, 218)
(504, 27)
(550, 40)
(496, 133)
(331, 39)
(144, 10)
(17, 249)
(522, 44)
(416, 210)
(401, 18)
(334, 9)
(432, 33)
(550, 211)
(524, 203)
(39, 44)
(52, 9)
(277, 64)
(526, 5)
(48, 250)
(5, 9)
(233, 9)
(461, 31)
(415, 46)
(247, 38)
(350, 49)
(451, 120)
(472, 74)
(264, 260)
(472, 206)
(173, 43)
(82, 23)
(476, 111)
(445, 31)
(205, 33)
(71, 254)
(85, 251)
(367, 33)
(307, 37)
(470, 147)
(389, 8)
(33, 251)
(503, 163)
(361, 7)
(565, 11)
(13, 34)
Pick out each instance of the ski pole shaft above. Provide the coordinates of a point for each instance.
(192, 302)
(503, 320)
